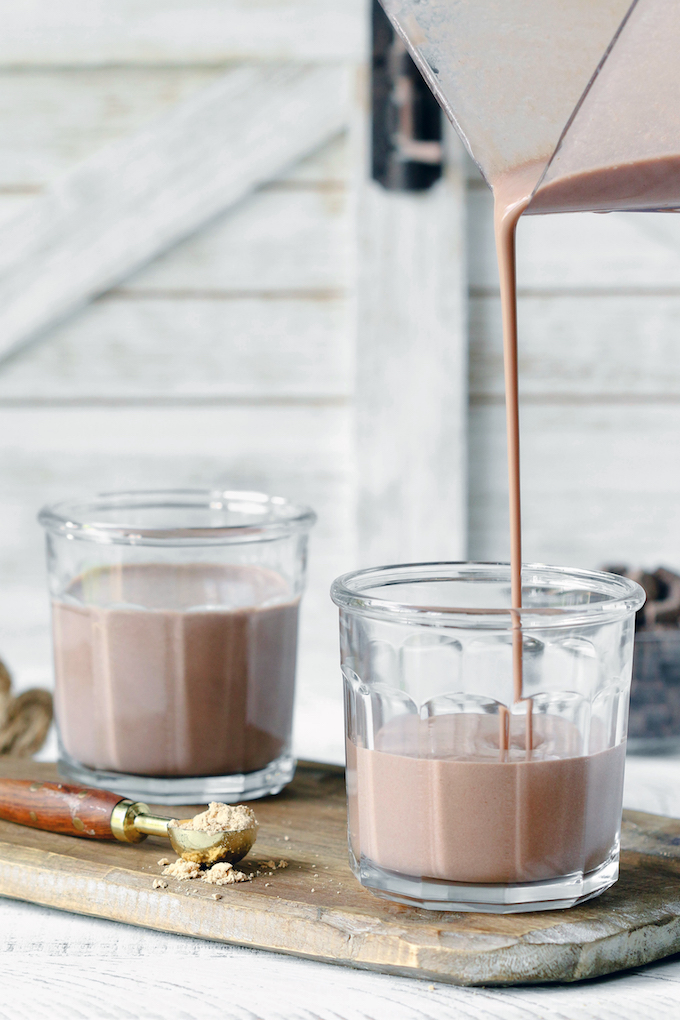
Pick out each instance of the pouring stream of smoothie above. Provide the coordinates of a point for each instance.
(511, 196)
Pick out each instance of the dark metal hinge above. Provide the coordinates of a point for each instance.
(406, 136)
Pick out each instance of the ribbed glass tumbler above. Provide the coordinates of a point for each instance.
(461, 795)
(175, 633)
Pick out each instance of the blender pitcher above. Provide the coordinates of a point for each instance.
(562, 90)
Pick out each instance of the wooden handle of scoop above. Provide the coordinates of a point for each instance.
(72, 810)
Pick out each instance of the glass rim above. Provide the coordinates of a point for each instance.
(278, 517)
(623, 596)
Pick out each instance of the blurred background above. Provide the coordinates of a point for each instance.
(293, 326)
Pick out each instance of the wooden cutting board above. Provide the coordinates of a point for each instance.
(315, 907)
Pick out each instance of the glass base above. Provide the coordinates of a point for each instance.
(434, 894)
(184, 790)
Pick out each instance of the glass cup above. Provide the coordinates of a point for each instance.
(459, 796)
(175, 620)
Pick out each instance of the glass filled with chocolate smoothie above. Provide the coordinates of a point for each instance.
(485, 772)
(175, 619)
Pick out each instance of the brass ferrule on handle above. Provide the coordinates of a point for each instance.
(131, 822)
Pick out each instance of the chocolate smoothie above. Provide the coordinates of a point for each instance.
(511, 197)
(643, 184)
(432, 800)
(156, 676)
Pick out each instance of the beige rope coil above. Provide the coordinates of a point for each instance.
(24, 719)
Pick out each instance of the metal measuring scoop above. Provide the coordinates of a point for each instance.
(98, 814)
(192, 844)
(133, 822)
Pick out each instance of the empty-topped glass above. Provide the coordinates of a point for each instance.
(459, 796)
(175, 633)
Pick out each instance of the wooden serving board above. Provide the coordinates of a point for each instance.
(315, 907)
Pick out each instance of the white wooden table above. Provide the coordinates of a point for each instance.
(58, 965)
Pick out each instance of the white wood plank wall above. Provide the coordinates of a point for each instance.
(157, 32)
(411, 389)
(132, 200)
(599, 320)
